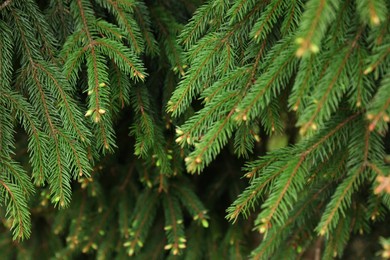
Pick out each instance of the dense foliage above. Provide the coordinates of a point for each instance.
(194, 130)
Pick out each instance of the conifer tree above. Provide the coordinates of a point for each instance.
(126, 128)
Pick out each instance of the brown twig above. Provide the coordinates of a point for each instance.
(4, 5)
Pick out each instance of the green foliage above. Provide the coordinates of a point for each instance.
(108, 106)
(322, 58)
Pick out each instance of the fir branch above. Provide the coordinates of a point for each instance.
(6, 53)
(317, 16)
(230, 81)
(122, 57)
(278, 233)
(293, 13)
(380, 59)
(239, 10)
(363, 87)
(81, 164)
(269, 17)
(59, 19)
(142, 17)
(335, 244)
(28, 41)
(168, 29)
(216, 138)
(379, 107)
(242, 70)
(194, 129)
(331, 131)
(357, 173)
(244, 139)
(268, 84)
(16, 209)
(109, 29)
(45, 36)
(73, 115)
(121, 10)
(329, 93)
(275, 208)
(271, 119)
(247, 199)
(162, 155)
(374, 11)
(121, 92)
(305, 75)
(190, 86)
(143, 128)
(211, 144)
(7, 143)
(17, 176)
(343, 194)
(174, 227)
(141, 220)
(59, 175)
(73, 61)
(283, 194)
(97, 89)
(198, 24)
(191, 202)
(37, 139)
